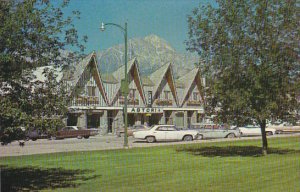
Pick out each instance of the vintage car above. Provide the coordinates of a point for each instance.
(73, 132)
(211, 133)
(285, 128)
(253, 130)
(204, 125)
(35, 134)
(120, 132)
(165, 133)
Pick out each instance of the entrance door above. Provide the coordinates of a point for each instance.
(110, 120)
(131, 119)
(154, 119)
(179, 119)
(72, 119)
(168, 118)
(189, 118)
(93, 121)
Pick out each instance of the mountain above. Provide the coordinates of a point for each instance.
(151, 51)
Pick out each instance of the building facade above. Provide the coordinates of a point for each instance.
(95, 99)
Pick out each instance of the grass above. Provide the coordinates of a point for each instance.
(226, 166)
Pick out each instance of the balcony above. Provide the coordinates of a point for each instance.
(193, 103)
(86, 100)
(163, 102)
(130, 101)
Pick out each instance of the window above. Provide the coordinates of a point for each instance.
(132, 94)
(91, 90)
(172, 129)
(162, 129)
(195, 96)
(167, 95)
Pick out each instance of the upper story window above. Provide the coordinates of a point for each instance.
(167, 94)
(195, 96)
(91, 90)
(131, 93)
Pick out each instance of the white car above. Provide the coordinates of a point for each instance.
(166, 133)
(252, 130)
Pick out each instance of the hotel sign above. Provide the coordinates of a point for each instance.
(144, 110)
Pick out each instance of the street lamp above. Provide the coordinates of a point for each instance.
(124, 84)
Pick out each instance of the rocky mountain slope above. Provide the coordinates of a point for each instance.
(152, 52)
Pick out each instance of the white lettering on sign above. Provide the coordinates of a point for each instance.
(144, 110)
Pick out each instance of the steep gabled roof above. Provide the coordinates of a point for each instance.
(187, 80)
(82, 67)
(157, 77)
(179, 84)
(147, 81)
(133, 70)
(109, 78)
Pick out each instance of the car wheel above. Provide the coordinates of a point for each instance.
(230, 135)
(269, 133)
(86, 137)
(200, 137)
(150, 139)
(188, 138)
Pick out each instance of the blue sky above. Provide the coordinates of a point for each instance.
(165, 18)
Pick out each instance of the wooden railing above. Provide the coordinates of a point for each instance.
(86, 100)
(163, 102)
(130, 101)
(193, 103)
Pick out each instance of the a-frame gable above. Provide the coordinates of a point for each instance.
(188, 80)
(133, 73)
(165, 72)
(88, 63)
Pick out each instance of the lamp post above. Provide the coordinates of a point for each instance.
(124, 84)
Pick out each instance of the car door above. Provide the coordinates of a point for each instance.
(160, 133)
(251, 130)
(218, 133)
(172, 134)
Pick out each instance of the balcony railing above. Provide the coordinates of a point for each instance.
(163, 102)
(86, 100)
(193, 103)
(130, 101)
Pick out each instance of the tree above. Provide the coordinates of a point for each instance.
(32, 33)
(252, 58)
(47, 103)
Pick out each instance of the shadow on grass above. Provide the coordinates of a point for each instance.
(229, 151)
(35, 179)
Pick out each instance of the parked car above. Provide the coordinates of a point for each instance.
(216, 133)
(36, 134)
(253, 130)
(165, 133)
(204, 126)
(94, 131)
(72, 132)
(285, 128)
(120, 132)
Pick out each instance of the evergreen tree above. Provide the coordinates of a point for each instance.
(251, 48)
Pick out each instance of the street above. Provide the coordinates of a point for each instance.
(98, 142)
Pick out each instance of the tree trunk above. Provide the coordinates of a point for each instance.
(264, 137)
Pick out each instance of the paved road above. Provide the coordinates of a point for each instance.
(96, 143)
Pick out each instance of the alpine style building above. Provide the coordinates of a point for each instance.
(96, 100)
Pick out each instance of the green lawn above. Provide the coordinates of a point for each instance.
(226, 166)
